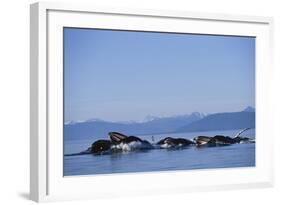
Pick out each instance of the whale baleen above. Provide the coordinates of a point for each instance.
(116, 137)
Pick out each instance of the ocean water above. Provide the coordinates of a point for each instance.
(192, 157)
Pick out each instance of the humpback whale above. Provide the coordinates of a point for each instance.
(240, 140)
(100, 146)
(222, 140)
(127, 143)
(119, 142)
(202, 140)
(170, 142)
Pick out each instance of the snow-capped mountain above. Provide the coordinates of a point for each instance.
(157, 125)
(151, 125)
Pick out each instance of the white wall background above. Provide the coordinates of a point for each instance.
(14, 101)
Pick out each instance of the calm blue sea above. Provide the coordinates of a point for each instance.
(238, 155)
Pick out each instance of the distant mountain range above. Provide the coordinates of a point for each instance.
(222, 121)
(249, 109)
(155, 125)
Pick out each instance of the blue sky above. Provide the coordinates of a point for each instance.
(125, 75)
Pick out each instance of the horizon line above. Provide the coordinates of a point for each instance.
(152, 116)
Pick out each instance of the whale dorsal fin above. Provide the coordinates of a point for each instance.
(116, 136)
(240, 132)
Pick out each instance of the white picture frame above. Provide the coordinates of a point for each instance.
(46, 179)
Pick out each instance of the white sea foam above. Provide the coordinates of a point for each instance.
(165, 146)
(127, 146)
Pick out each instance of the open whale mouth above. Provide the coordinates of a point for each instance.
(116, 137)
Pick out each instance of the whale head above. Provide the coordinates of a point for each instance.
(100, 146)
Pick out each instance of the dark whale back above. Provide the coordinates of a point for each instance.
(144, 143)
(175, 142)
(220, 139)
(183, 141)
(131, 139)
(163, 141)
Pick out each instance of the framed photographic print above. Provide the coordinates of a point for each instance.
(129, 97)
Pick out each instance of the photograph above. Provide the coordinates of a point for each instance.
(147, 101)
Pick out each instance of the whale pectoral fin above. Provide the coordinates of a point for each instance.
(241, 131)
(116, 136)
